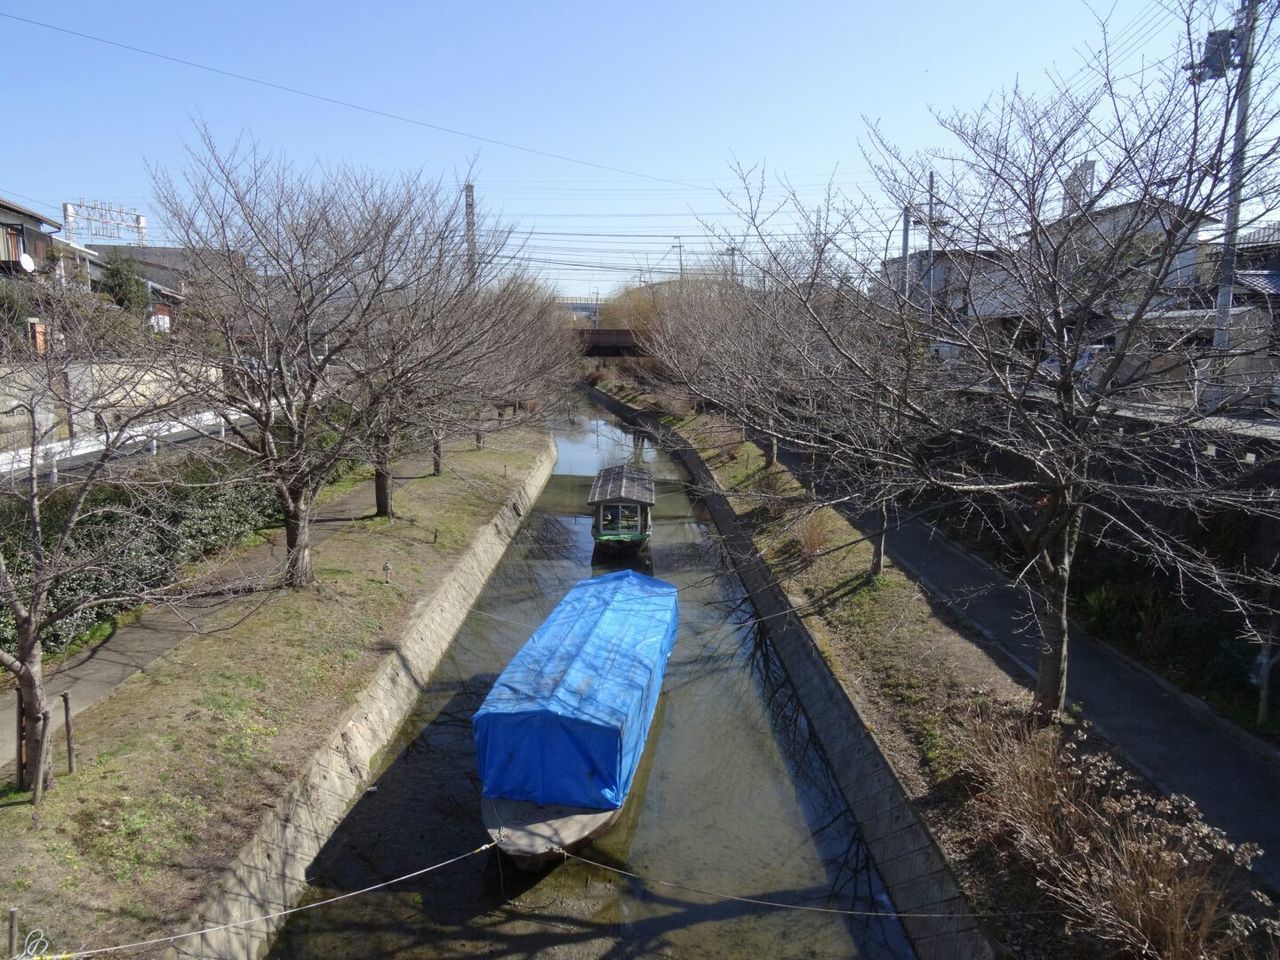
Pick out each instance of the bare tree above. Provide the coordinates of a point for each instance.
(291, 276)
(467, 340)
(85, 537)
(1042, 364)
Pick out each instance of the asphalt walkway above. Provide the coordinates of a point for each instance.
(1173, 740)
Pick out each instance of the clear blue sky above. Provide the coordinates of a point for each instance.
(672, 90)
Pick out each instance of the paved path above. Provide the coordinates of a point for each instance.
(1176, 745)
(93, 673)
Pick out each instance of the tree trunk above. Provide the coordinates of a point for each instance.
(1268, 659)
(297, 538)
(1051, 665)
(479, 440)
(437, 456)
(382, 490)
(34, 704)
(1051, 610)
(877, 542)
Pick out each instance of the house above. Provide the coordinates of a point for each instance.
(998, 284)
(24, 244)
(1258, 267)
(161, 269)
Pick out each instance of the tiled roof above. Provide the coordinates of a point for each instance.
(1262, 237)
(1264, 281)
(28, 212)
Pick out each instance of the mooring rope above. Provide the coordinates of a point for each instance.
(271, 916)
(756, 901)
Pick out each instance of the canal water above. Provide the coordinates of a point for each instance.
(732, 798)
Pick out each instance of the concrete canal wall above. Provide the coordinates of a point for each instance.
(911, 864)
(269, 873)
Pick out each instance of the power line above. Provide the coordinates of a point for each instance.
(347, 104)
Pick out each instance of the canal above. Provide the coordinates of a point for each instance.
(732, 798)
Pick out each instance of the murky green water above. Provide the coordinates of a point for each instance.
(732, 797)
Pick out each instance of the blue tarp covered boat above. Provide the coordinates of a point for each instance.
(566, 722)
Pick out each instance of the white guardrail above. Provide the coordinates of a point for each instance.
(209, 423)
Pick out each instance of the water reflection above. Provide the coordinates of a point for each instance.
(732, 796)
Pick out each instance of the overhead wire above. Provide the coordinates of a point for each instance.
(346, 104)
(1130, 39)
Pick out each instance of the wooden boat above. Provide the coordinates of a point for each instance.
(622, 499)
(563, 730)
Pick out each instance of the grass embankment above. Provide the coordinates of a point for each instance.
(1064, 852)
(175, 768)
(102, 631)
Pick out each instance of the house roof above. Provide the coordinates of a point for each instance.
(625, 482)
(1262, 237)
(1264, 281)
(28, 213)
(1183, 214)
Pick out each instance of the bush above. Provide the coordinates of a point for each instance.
(196, 516)
(1133, 870)
(812, 534)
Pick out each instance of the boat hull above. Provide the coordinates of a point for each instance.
(621, 546)
(535, 836)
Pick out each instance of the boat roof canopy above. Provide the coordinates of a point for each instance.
(625, 482)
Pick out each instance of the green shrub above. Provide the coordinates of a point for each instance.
(146, 545)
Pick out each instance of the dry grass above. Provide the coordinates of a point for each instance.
(1138, 872)
(813, 533)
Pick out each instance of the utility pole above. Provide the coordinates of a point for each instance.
(1245, 23)
(929, 256)
(733, 263)
(906, 243)
(680, 252)
(470, 189)
(1225, 50)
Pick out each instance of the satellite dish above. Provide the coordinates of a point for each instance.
(25, 261)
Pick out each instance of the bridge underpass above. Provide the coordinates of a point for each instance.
(610, 343)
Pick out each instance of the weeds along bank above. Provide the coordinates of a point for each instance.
(1055, 844)
(196, 771)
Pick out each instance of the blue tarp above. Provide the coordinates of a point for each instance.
(567, 720)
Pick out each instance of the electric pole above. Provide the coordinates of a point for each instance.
(929, 256)
(470, 190)
(1225, 50)
(1245, 23)
(680, 253)
(906, 243)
